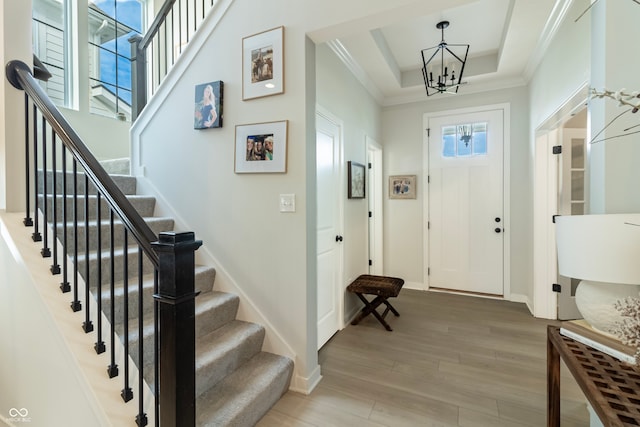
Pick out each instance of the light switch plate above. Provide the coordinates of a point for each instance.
(287, 203)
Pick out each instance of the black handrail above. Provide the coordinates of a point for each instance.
(156, 24)
(19, 75)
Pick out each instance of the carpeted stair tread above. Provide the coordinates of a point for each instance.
(144, 205)
(245, 396)
(213, 310)
(221, 352)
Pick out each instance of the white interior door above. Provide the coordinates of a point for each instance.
(328, 161)
(374, 196)
(466, 202)
(571, 201)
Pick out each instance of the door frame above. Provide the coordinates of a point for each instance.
(506, 187)
(375, 200)
(340, 286)
(545, 268)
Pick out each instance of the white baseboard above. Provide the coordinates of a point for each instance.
(305, 385)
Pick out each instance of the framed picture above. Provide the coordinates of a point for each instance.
(261, 148)
(263, 64)
(208, 106)
(355, 180)
(402, 187)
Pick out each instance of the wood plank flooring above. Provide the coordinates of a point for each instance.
(452, 360)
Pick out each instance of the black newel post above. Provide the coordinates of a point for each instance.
(138, 77)
(176, 336)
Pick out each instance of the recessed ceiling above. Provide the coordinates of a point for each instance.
(505, 37)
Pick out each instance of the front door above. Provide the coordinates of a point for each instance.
(328, 154)
(466, 206)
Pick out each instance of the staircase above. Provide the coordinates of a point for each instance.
(236, 382)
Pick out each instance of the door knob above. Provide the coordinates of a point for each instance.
(497, 219)
(338, 238)
(498, 229)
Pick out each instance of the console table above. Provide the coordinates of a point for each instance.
(612, 387)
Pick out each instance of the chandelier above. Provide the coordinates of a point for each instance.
(442, 65)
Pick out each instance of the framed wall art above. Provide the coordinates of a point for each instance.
(355, 180)
(263, 64)
(208, 105)
(402, 187)
(261, 148)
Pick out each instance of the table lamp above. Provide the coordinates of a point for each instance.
(603, 251)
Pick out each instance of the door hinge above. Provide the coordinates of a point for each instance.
(370, 262)
(428, 271)
(369, 165)
(428, 131)
(557, 149)
(556, 287)
(370, 214)
(428, 179)
(428, 225)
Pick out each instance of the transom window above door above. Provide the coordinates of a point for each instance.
(464, 140)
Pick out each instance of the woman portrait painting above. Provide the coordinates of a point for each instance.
(208, 105)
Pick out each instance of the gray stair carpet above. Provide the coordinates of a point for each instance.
(236, 382)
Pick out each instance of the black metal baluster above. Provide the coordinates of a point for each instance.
(64, 286)
(76, 305)
(99, 346)
(186, 12)
(127, 392)
(45, 252)
(112, 369)
(141, 418)
(180, 24)
(28, 222)
(87, 325)
(55, 267)
(35, 236)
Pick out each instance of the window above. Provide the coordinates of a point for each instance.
(464, 140)
(111, 24)
(51, 45)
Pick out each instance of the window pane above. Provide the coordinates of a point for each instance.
(464, 140)
(111, 24)
(50, 46)
(449, 141)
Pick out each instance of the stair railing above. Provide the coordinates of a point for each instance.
(50, 142)
(153, 55)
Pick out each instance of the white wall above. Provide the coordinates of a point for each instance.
(614, 172)
(340, 93)
(403, 155)
(271, 255)
(15, 44)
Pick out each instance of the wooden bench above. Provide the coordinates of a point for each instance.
(382, 287)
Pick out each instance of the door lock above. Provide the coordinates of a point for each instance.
(338, 238)
(498, 229)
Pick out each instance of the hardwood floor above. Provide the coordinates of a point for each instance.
(451, 360)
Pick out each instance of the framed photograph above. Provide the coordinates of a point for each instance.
(208, 105)
(263, 64)
(402, 187)
(355, 180)
(261, 148)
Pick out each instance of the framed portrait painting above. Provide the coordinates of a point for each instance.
(355, 180)
(261, 148)
(207, 112)
(402, 187)
(263, 64)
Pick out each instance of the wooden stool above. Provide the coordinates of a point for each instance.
(381, 286)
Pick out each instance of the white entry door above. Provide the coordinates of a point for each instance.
(466, 212)
(328, 161)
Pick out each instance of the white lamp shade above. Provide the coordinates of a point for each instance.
(601, 248)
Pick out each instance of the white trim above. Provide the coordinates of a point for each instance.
(305, 385)
(556, 17)
(506, 160)
(352, 65)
